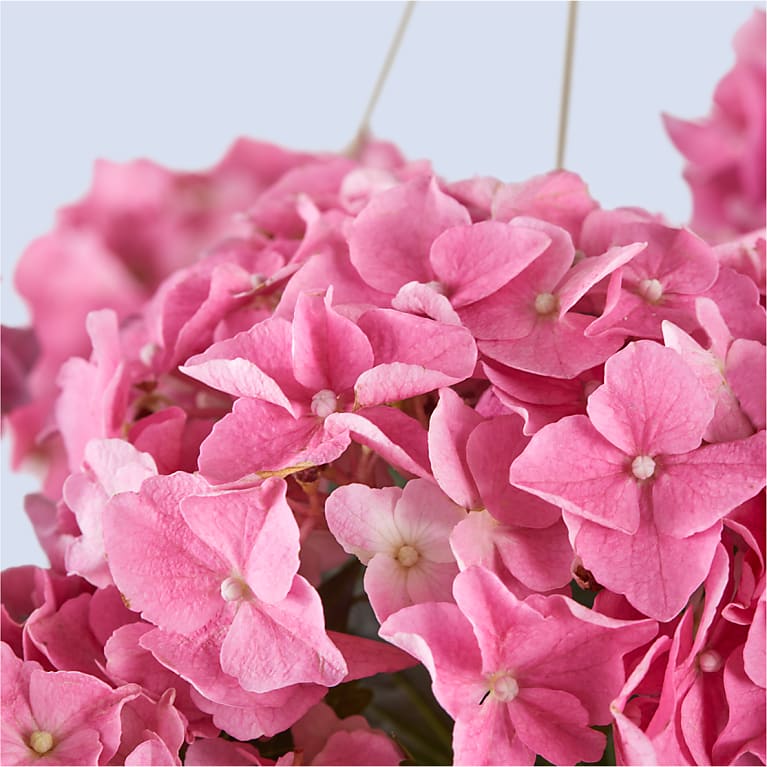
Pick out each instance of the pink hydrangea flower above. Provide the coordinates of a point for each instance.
(199, 563)
(643, 499)
(402, 536)
(534, 694)
(725, 151)
(59, 717)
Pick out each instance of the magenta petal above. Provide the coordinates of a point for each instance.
(555, 725)
(592, 481)
(450, 425)
(472, 262)
(695, 490)
(271, 647)
(255, 531)
(390, 239)
(657, 573)
(329, 351)
(268, 438)
(651, 402)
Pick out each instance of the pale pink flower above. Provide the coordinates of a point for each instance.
(60, 717)
(402, 537)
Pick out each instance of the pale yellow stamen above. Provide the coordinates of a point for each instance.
(41, 741)
(407, 556)
(546, 303)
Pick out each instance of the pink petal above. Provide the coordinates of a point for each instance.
(254, 530)
(390, 239)
(423, 300)
(329, 351)
(292, 646)
(490, 450)
(386, 586)
(442, 639)
(425, 517)
(347, 748)
(268, 439)
(413, 355)
(158, 563)
(559, 196)
(399, 439)
(745, 367)
(362, 519)
(484, 735)
(589, 271)
(217, 751)
(472, 262)
(555, 725)
(554, 347)
(251, 364)
(152, 751)
(367, 657)
(650, 403)
(450, 425)
(695, 490)
(745, 730)
(656, 572)
(593, 481)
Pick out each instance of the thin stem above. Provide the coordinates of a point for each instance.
(364, 126)
(567, 76)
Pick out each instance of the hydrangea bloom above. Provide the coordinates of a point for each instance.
(307, 399)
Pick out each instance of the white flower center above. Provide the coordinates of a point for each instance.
(233, 589)
(504, 687)
(324, 403)
(710, 660)
(41, 741)
(546, 303)
(643, 467)
(651, 291)
(407, 556)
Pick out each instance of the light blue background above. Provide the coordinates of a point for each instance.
(475, 89)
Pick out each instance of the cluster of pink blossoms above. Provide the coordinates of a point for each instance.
(527, 431)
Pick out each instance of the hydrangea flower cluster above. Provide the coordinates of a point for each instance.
(303, 403)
